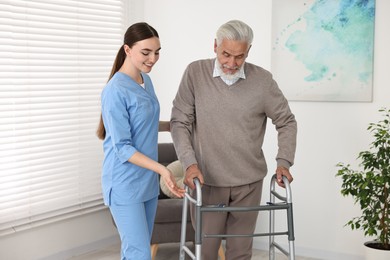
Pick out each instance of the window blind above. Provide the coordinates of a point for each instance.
(55, 58)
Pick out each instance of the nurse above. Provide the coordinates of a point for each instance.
(129, 128)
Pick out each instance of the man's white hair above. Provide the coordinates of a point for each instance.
(235, 30)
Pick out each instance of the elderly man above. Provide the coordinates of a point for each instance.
(218, 124)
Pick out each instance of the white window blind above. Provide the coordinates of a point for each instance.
(55, 58)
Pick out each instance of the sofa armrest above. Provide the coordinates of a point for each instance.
(166, 153)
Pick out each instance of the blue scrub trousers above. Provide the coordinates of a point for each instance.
(135, 226)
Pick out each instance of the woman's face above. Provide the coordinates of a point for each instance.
(144, 54)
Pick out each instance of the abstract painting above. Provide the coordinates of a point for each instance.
(322, 50)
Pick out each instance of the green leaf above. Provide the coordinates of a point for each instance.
(370, 186)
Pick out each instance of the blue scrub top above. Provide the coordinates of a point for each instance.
(131, 117)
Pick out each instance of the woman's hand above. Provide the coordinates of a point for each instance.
(145, 162)
(170, 182)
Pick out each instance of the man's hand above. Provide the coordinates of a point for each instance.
(280, 172)
(193, 172)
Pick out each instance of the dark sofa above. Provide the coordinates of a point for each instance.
(167, 225)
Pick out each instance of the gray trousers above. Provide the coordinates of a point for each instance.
(237, 248)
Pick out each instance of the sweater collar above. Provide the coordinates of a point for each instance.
(218, 73)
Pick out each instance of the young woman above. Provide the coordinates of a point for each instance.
(129, 127)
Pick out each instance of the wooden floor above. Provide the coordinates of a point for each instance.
(165, 252)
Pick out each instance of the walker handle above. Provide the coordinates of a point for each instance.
(288, 197)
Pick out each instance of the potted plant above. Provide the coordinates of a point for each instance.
(370, 186)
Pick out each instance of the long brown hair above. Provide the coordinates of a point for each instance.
(135, 33)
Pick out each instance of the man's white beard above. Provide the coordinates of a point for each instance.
(227, 76)
(230, 77)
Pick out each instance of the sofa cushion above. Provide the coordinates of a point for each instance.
(166, 155)
(177, 171)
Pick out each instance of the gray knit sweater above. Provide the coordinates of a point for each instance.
(221, 127)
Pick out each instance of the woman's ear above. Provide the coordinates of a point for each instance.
(127, 49)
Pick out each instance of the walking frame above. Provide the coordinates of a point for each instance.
(282, 203)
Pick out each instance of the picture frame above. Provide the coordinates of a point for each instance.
(323, 50)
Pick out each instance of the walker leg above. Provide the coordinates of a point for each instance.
(198, 252)
(291, 238)
(271, 237)
(291, 256)
(183, 228)
(272, 223)
(198, 233)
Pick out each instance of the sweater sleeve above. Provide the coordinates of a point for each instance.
(183, 120)
(278, 110)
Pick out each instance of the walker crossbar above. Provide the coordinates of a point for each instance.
(272, 206)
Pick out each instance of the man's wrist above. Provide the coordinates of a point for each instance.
(283, 163)
(192, 166)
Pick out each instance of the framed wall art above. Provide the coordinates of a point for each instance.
(323, 50)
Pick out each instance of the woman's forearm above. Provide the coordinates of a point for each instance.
(143, 161)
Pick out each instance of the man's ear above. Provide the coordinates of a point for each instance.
(247, 53)
(215, 45)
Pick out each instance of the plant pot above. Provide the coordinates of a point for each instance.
(375, 254)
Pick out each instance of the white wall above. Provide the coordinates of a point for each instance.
(61, 240)
(187, 31)
(328, 133)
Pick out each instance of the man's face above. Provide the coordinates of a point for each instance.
(231, 55)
